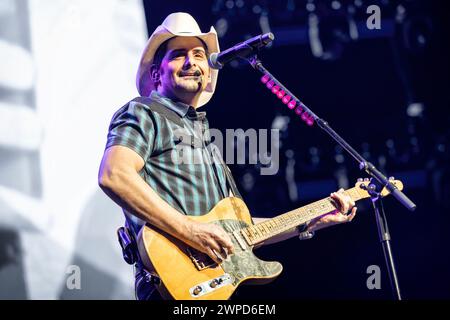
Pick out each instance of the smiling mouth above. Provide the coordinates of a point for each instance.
(194, 74)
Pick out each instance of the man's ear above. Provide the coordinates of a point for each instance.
(155, 75)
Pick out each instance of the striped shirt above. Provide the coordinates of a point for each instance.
(173, 140)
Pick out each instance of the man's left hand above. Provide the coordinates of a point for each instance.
(338, 216)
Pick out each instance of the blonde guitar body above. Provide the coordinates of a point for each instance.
(187, 274)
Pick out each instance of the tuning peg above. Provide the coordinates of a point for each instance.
(360, 180)
(391, 178)
(366, 179)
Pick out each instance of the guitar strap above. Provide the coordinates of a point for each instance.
(229, 177)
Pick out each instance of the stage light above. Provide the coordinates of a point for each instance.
(336, 5)
(281, 94)
(304, 115)
(286, 99)
(415, 109)
(221, 27)
(328, 29)
(291, 105)
(275, 89)
(417, 31)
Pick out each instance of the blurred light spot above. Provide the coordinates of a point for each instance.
(415, 109)
(310, 7)
(358, 3)
(339, 158)
(229, 4)
(221, 27)
(336, 5)
(257, 9)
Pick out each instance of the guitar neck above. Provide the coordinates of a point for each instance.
(270, 228)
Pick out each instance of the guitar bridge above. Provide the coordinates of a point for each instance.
(200, 260)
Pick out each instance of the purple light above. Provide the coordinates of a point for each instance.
(265, 78)
(270, 84)
(286, 99)
(299, 111)
(310, 120)
(281, 94)
(291, 105)
(305, 116)
(275, 89)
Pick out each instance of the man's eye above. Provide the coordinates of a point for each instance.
(177, 55)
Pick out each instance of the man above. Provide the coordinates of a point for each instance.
(140, 170)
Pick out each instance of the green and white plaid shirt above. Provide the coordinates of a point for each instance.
(173, 139)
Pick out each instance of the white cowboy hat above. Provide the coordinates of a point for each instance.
(178, 24)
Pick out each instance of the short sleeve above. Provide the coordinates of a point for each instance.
(132, 126)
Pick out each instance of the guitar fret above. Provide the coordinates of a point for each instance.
(262, 229)
(257, 232)
(274, 224)
(244, 233)
(268, 226)
(252, 232)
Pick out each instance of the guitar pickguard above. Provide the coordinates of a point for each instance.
(243, 263)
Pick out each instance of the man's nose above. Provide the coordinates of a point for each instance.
(188, 62)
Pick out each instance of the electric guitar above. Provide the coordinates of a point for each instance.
(187, 274)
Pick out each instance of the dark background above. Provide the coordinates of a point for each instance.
(363, 91)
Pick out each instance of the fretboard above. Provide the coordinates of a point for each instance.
(265, 230)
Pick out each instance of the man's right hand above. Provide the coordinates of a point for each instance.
(211, 239)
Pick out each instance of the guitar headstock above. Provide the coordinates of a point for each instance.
(362, 185)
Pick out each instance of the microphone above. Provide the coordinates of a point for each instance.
(243, 49)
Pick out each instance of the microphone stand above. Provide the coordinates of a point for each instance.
(378, 180)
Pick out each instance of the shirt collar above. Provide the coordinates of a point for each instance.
(180, 108)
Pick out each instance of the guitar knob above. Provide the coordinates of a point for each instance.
(366, 179)
(391, 178)
(360, 180)
(213, 283)
(197, 290)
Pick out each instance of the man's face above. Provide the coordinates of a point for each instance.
(184, 68)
